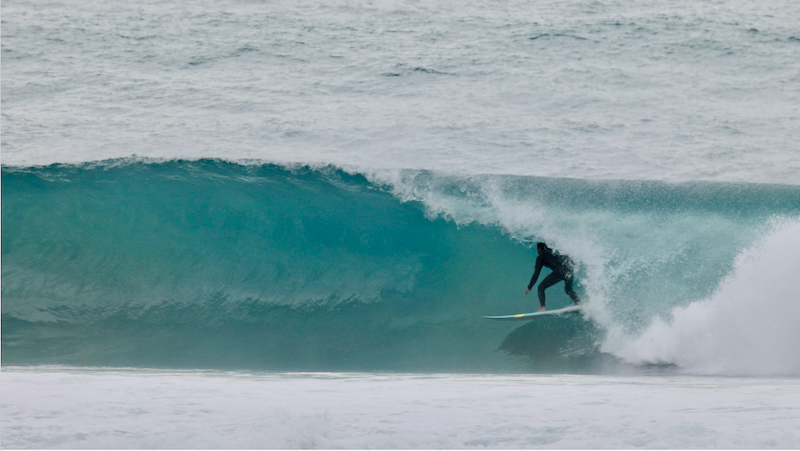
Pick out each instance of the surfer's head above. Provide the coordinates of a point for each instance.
(541, 247)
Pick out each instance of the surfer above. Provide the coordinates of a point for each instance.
(562, 268)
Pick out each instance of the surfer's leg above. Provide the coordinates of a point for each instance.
(551, 279)
(570, 292)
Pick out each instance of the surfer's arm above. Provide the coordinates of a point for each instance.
(536, 272)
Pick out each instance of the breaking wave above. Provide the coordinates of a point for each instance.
(216, 264)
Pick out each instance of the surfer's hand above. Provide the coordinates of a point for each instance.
(527, 290)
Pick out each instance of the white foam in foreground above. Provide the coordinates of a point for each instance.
(748, 327)
(85, 408)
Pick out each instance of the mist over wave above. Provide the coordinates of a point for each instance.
(748, 326)
(223, 265)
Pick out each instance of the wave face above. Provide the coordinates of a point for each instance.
(220, 265)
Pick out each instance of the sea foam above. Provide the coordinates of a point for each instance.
(747, 327)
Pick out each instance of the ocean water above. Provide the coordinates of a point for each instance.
(280, 224)
(63, 407)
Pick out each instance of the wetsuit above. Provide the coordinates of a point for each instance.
(561, 265)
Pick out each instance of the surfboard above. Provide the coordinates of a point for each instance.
(534, 315)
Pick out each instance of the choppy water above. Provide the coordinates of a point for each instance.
(660, 90)
(340, 186)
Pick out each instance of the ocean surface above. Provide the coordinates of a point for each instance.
(279, 224)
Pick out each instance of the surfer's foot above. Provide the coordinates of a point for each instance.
(577, 302)
(541, 309)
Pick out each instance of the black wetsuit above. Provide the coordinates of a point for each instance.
(562, 268)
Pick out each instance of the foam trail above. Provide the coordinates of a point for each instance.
(747, 327)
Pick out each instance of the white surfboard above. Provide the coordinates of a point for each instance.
(534, 315)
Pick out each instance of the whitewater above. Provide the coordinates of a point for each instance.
(246, 224)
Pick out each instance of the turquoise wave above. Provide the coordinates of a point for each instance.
(212, 264)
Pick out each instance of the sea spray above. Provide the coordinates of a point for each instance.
(748, 326)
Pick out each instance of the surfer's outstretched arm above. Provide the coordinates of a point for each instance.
(536, 272)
